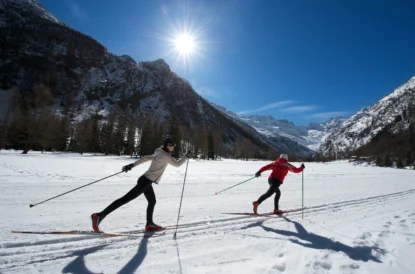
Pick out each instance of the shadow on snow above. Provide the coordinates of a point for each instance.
(312, 240)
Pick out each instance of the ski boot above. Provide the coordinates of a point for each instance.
(255, 204)
(95, 222)
(277, 211)
(153, 227)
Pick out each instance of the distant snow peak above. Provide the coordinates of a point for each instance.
(362, 127)
(310, 136)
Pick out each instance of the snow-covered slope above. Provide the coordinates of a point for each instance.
(310, 136)
(85, 79)
(27, 10)
(361, 128)
(356, 221)
(281, 142)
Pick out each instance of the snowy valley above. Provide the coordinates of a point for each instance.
(359, 219)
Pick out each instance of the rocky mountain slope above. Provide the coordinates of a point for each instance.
(84, 78)
(310, 136)
(264, 125)
(392, 113)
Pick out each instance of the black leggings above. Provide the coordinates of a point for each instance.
(143, 186)
(274, 187)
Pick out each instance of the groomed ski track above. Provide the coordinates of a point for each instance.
(14, 255)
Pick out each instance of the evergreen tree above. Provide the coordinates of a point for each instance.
(94, 141)
(37, 102)
(17, 133)
(399, 163)
(146, 140)
(379, 161)
(130, 149)
(175, 134)
(211, 146)
(387, 161)
(13, 98)
(107, 134)
(83, 135)
(120, 134)
(62, 135)
(157, 139)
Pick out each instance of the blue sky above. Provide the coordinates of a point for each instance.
(304, 61)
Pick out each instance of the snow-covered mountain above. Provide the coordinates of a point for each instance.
(310, 136)
(391, 112)
(263, 125)
(28, 10)
(84, 78)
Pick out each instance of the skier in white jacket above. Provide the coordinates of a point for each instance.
(159, 161)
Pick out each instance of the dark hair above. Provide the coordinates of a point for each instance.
(169, 142)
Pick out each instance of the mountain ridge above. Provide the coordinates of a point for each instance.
(390, 112)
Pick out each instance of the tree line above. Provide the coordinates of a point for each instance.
(31, 122)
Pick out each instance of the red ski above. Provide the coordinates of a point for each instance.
(269, 214)
(92, 233)
(139, 233)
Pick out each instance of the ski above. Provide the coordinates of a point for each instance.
(269, 214)
(138, 233)
(93, 233)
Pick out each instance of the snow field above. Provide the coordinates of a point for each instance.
(358, 219)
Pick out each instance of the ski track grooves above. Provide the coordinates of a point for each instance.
(56, 249)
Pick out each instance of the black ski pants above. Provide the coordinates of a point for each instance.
(143, 186)
(274, 187)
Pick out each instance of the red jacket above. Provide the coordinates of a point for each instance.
(280, 169)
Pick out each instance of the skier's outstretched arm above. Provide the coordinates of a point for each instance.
(264, 168)
(138, 162)
(295, 169)
(143, 160)
(176, 163)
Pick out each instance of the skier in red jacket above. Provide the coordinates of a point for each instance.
(280, 169)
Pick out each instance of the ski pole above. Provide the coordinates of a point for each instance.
(234, 186)
(302, 194)
(32, 205)
(181, 199)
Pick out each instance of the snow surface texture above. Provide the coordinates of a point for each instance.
(358, 219)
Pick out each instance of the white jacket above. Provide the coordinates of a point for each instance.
(159, 161)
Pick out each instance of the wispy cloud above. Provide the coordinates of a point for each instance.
(208, 92)
(76, 11)
(328, 115)
(298, 109)
(269, 106)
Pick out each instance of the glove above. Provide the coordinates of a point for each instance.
(127, 167)
(188, 154)
(257, 174)
(303, 166)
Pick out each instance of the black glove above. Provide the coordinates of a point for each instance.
(257, 174)
(303, 166)
(127, 167)
(188, 154)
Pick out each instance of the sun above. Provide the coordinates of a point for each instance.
(184, 44)
(184, 39)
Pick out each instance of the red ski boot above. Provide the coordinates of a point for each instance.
(278, 211)
(255, 204)
(153, 227)
(95, 222)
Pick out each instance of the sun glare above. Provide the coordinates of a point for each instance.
(184, 38)
(185, 44)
